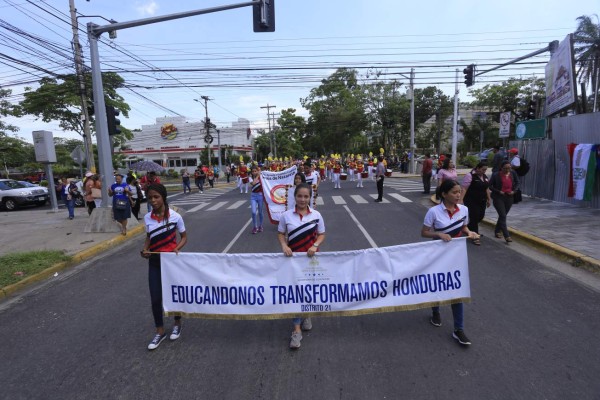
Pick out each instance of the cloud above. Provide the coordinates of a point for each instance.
(147, 8)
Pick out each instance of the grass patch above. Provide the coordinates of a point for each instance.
(18, 266)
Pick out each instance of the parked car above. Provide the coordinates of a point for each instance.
(14, 194)
(483, 156)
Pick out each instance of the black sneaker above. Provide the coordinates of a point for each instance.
(459, 335)
(176, 332)
(436, 319)
(157, 341)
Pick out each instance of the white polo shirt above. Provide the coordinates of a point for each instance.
(302, 231)
(441, 220)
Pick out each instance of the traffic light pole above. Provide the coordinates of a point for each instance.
(455, 121)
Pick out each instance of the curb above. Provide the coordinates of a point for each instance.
(575, 258)
(75, 259)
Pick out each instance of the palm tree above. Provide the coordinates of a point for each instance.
(587, 52)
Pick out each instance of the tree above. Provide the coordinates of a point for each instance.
(511, 95)
(289, 134)
(6, 109)
(337, 113)
(587, 52)
(58, 99)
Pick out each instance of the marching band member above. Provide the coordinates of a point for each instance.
(360, 167)
(243, 176)
(351, 168)
(337, 170)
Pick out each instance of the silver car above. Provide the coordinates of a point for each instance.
(14, 194)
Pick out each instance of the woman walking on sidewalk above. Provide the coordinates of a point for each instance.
(476, 196)
(301, 230)
(503, 185)
(162, 224)
(446, 221)
(121, 206)
(256, 200)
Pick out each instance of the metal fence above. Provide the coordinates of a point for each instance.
(548, 177)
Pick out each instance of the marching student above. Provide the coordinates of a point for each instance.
(301, 230)
(446, 221)
(337, 170)
(162, 225)
(256, 200)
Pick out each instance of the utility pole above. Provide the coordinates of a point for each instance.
(77, 53)
(455, 121)
(412, 121)
(268, 107)
(274, 133)
(207, 127)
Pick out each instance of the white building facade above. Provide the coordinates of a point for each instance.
(175, 143)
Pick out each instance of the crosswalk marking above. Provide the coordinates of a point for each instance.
(236, 204)
(358, 198)
(399, 197)
(338, 200)
(198, 207)
(383, 201)
(217, 206)
(320, 201)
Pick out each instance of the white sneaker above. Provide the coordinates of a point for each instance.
(306, 324)
(295, 340)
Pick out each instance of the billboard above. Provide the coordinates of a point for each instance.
(560, 78)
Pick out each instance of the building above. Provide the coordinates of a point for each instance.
(175, 143)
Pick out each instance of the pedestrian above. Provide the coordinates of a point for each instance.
(88, 192)
(499, 156)
(515, 160)
(301, 229)
(136, 195)
(97, 190)
(228, 173)
(149, 179)
(379, 175)
(503, 185)
(217, 172)
(445, 221)
(210, 175)
(476, 196)
(161, 227)
(256, 200)
(201, 179)
(121, 205)
(185, 180)
(68, 193)
(426, 171)
(243, 178)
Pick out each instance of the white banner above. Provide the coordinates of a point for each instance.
(270, 286)
(275, 186)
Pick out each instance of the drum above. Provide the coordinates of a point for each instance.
(388, 172)
(343, 177)
(364, 174)
(245, 179)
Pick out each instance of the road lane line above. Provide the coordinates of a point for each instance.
(217, 206)
(236, 204)
(198, 207)
(320, 201)
(237, 236)
(400, 197)
(338, 199)
(359, 199)
(362, 229)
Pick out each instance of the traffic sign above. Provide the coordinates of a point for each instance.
(534, 129)
(208, 138)
(504, 125)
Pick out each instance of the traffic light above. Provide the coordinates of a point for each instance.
(469, 75)
(263, 16)
(112, 120)
(531, 109)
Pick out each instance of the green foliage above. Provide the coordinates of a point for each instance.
(470, 161)
(58, 99)
(18, 266)
(587, 50)
(6, 109)
(172, 173)
(511, 95)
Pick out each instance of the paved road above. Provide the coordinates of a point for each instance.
(84, 336)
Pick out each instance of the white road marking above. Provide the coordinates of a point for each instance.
(359, 199)
(237, 236)
(338, 199)
(237, 204)
(383, 201)
(320, 201)
(198, 207)
(362, 229)
(217, 206)
(399, 197)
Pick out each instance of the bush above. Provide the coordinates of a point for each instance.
(172, 173)
(470, 161)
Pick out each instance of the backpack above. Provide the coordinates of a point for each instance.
(523, 168)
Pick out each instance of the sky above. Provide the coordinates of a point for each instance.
(169, 65)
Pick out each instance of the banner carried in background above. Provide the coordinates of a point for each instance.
(274, 185)
(269, 286)
(584, 171)
(560, 78)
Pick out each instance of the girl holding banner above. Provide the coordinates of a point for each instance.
(446, 221)
(161, 227)
(256, 200)
(305, 231)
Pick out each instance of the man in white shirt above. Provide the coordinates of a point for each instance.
(515, 161)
